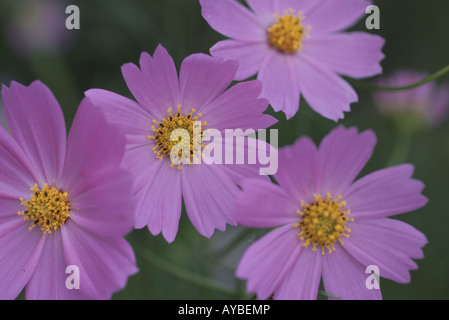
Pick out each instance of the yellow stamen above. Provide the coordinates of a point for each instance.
(49, 208)
(323, 223)
(164, 129)
(287, 33)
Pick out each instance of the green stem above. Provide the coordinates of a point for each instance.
(329, 295)
(183, 274)
(401, 150)
(372, 87)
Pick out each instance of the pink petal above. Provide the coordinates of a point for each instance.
(155, 85)
(239, 108)
(267, 9)
(232, 19)
(19, 254)
(325, 92)
(245, 153)
(159, 202)
(330, 16)
(356, 54)
(49, 278)
(343, 154)
(17, 174)
(264, 9)
(104, 263)
(303, 281)
(438, 113)
(299, 173)
(281, 83)
(263, 204)
(384, 193)
(135, 123)
(140, 160)
(388, 244)
(268, 262)
(103, 203)
(209, 195)
(345, 277)
(37, 124)
(124, 113)
(202, 79)
(93, 145)
(250, 55)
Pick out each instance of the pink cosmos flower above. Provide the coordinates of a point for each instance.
(297, 47)
(166, 104)
(61, 203)
(427, 105)
(329, 225)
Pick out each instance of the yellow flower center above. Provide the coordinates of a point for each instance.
(182, 132)
(49, 208)
(323, 223)
(287, 33)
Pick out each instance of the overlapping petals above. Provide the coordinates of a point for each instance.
(307, 172)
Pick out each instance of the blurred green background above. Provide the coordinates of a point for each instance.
(34, 44)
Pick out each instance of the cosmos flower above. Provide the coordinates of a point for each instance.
(296, 47)
(166, 104)
(422, 107)
(328, 225)
(62, 203)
